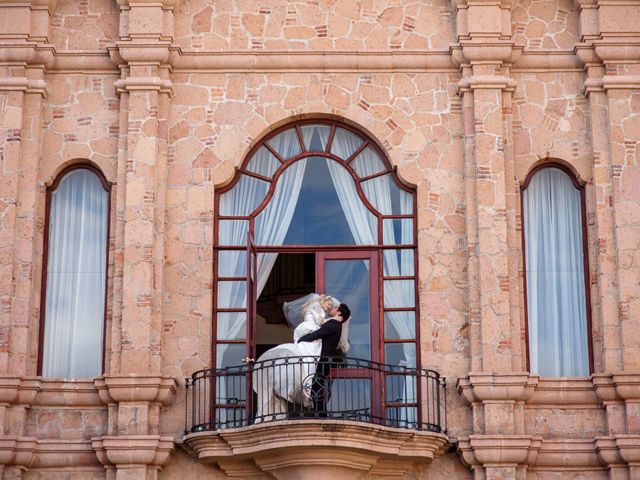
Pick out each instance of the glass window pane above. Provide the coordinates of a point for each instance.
(318, 217)
(351, 398)
(315, 137)
(402, 417)
(387, 197)
(345, 143)
(232, 263)
(232, 294)
(348, 280)
(398, 262)
(397, 231)
(231, 325)
(231, 417)
(400, 325)
(401, 354)
(556, 302)
(230, 354)
(368, 162)
(233, 233)
(263, 163)
(244, 197)
(286, 143)
(401, 388)
(399, 293)
(76, 276)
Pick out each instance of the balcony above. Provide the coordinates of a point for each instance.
(288, 417)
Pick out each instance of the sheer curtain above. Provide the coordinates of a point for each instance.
(362, 223)
(555, 276)
(273, 222)
(363, 226)
(76, 276)
(271, 227)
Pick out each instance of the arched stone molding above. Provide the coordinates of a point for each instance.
(106, 169)
(580, 172)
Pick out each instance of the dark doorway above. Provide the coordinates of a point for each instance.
(292, 276)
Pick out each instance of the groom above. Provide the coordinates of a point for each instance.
(330, 333)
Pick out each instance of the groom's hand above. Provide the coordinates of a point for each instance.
(304, 338)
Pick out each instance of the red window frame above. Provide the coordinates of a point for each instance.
(318, 249)
(580, 186)
(45, 255)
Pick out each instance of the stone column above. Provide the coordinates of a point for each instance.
(485, 52)
(609, 49)
(134, 388)
(24, 54)
(484, 57)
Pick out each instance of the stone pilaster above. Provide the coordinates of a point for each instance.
(134, 389)
(143, 54)
(610, 38)
(498, 446)
(24, 54)
(618, 42)
(133, 448)
(484, 53)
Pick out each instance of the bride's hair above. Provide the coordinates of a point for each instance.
(321, 299)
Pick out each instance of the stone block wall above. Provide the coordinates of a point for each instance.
(166, 98)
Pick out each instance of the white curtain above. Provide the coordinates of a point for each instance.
(345, 143)
(363, 226)
(273, 222)
(362, 223)
(271, 227)
(555, 276)
(76, 275)
(315, 137)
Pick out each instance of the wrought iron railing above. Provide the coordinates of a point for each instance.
(308, 387)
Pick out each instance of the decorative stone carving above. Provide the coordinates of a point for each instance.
(299, 449)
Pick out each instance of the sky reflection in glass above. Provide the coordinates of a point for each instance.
(318, 218)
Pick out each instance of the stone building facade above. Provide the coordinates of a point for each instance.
(165, 99)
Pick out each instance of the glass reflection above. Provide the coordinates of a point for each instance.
(397, 231)
(348, 280)
(345, 143)
(231, 325)
(319, 218)
(233, 233)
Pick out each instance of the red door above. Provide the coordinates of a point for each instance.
(353, 278)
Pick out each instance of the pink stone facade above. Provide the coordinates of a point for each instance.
(466, 97)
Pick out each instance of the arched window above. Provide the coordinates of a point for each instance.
(326, 213)
(74, 282)
(556, 273)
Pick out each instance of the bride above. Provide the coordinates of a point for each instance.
(279, 373)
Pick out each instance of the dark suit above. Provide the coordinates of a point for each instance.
(330, 334)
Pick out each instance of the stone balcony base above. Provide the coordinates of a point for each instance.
(301, 448)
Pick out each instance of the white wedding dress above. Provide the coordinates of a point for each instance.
(279, 373)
